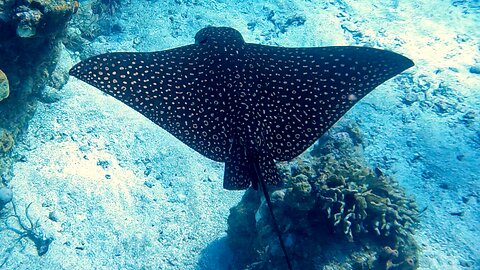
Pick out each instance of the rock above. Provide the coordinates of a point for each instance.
(59, 76)
(148, 184)
(350, 26)
(213, 178)
(6, 196)
(444, 185)
(468, 118)
(4, 87)
(28, 21)
(105, 164)
(466, 263)
(410, 98)
(475, 69)
(53, 216)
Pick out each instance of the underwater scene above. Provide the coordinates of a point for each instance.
(231, 135)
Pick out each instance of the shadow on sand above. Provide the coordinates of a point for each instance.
(218, 255)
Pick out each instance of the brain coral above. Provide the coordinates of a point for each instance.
(4, 87)
(333, 211)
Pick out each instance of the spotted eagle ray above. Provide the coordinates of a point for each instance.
(241, 103)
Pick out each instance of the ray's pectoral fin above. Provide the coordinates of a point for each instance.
(243, 169)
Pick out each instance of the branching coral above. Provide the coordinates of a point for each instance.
(30, 230)
(333, 210)
(357, 201)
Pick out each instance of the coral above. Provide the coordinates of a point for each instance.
(34, 18)
(357, 201)
(5, 7)
(43, 17)
(4, 87)
(106, 12)
(333, 211)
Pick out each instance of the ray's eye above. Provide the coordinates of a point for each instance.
(203, 40)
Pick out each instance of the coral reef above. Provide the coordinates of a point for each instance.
(41, 18)
(333, 211)
(30, 41)
(4, 87)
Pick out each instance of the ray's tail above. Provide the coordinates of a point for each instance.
(274, 220)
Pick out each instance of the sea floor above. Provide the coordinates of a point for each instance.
(118, 192)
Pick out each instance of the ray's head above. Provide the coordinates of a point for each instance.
(219, 36)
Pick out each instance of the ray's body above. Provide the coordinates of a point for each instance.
(240, 103)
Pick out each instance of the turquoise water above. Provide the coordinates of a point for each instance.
(115, 191)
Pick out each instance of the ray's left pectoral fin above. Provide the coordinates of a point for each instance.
(130, 76)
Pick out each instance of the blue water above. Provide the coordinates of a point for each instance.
(127, 195)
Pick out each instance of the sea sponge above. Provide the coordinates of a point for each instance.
(333, 211)
(4, 87)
